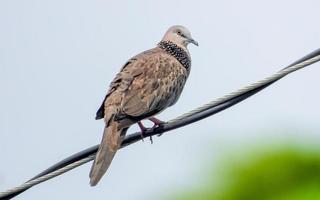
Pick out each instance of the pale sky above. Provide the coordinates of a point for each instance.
(57, 59)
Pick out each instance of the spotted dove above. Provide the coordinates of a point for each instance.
(146, 85)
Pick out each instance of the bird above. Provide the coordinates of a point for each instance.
(146, 85)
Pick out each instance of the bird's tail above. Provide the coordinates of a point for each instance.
(111, 141)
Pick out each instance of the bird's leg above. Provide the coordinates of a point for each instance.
(157, 123)
(142, 128)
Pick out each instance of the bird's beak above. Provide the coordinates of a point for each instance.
(193, 42)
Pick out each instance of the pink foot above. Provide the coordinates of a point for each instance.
(142, 127)
(143, 130)
(157, 122)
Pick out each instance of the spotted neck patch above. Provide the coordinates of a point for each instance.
(181, 55)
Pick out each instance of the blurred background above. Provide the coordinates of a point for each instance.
(57, 59)
(272, 172)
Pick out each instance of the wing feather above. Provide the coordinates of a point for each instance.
(147, 84)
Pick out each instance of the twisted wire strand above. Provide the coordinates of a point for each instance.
(308, 60)
(47, 176)
(245, 89)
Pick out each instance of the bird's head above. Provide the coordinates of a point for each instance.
(179, 35)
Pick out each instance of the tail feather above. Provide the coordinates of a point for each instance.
(109, 145)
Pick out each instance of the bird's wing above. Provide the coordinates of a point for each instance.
(146, 84)
(156, 88)
(119, 81)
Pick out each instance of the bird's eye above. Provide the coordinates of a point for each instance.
(180, 34)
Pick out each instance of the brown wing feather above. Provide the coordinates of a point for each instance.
(147, 84)
(119, 81)
(158, 87)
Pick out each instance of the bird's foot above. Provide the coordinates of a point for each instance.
(143, 130)
(151, 140)
(157, 123)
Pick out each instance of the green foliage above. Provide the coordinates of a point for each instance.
(291, 173)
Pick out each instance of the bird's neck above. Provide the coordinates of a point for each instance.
(181, 54)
